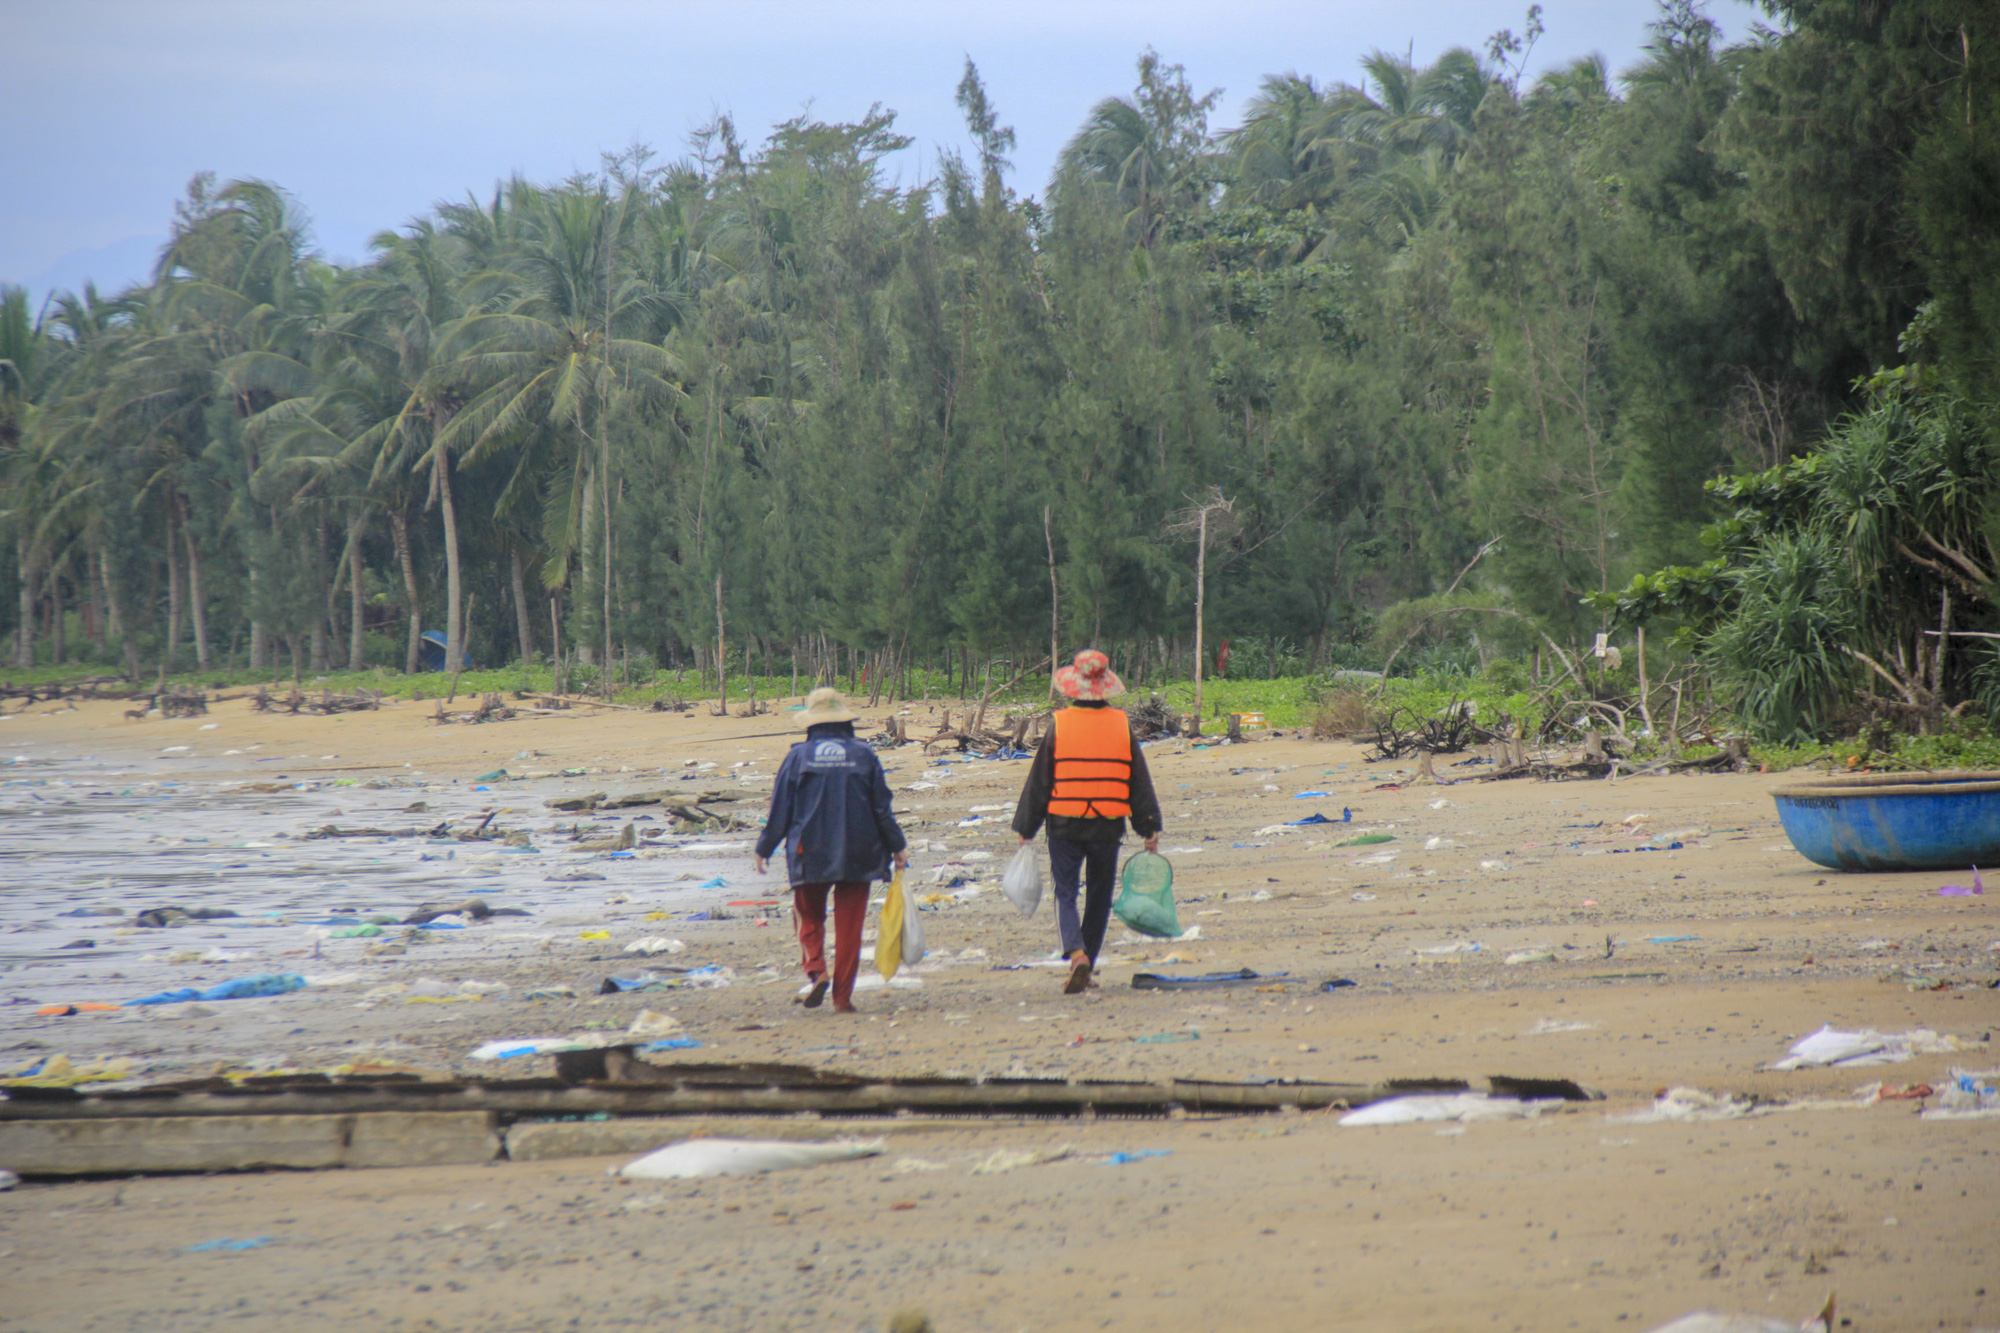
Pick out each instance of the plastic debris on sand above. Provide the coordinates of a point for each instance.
(1013, 1159)
(242, 988)
(695, 1159)
(1463, 1107)
(1848, 1050)
(1710, 1321)
(1677, 1105)
(1972, 890)
(59, 1071)
(225, 1245)
(655, 944)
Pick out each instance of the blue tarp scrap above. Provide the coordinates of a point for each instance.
(242, 988)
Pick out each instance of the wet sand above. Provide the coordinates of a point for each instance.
(1574, 1219)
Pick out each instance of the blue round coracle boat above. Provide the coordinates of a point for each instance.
(1895, 821)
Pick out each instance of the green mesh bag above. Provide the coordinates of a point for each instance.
(1146, 896)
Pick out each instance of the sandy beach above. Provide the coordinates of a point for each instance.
(1635, 936)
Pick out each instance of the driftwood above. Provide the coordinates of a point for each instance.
(661, 796)
(1153, 719)
(76, 687)
(490, 709)
(327, 702)
(979, 739)
(1451, 730)
(626, 839)
(566, 701)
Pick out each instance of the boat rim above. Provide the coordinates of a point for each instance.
(1929, 783)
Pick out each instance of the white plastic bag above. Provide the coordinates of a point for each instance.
(913, 936)
(1022, 883)
(693, 1159)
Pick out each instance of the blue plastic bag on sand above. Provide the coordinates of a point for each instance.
(242, 988)
(1146, 898)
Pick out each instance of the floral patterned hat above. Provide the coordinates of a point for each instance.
(1090, 677)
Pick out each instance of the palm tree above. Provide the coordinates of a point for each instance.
(1411, 110)
(1288, 152)
(396, 399)
(1149, 152)
(542, 375)
(233, 304)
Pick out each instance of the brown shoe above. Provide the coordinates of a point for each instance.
(840, 1008)
(811, 999)
(1079, 977)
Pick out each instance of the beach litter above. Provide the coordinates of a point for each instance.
(225, 1245)
(656, 944)
(695, 1159)
(1211, 981)
(1710, 1321)
(241, 988)
(1972, 890)
(1969, 1096)
(1013, 1159)
(1463, 1107)
(1835, 1049)
(59, 1071)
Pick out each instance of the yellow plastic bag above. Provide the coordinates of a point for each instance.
(889, 930)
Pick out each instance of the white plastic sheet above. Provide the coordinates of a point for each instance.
(693, 1159)
(1848, 1050)
(1435, 1109)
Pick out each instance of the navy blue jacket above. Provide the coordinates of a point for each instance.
(830, 810)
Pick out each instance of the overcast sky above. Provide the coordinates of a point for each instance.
(369, 111)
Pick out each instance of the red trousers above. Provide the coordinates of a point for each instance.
(850, 910)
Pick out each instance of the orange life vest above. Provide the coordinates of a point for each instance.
(1093, 759)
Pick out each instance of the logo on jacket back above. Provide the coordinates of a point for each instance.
(830, 752)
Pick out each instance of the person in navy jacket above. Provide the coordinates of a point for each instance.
(830, 811)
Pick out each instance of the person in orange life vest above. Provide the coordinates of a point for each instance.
(1088, 778)
(830, 812)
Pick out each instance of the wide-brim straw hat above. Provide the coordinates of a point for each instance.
(826, 704)
(1089, 677)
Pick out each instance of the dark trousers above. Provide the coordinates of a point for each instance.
(850, 910)
(1099, 863)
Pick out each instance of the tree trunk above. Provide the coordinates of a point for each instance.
(121, 625)
(197, 609)
(316, 553)
(58, 622)
(523, 625)
(1055, 604)
(604, 487)
(94, 571)
(454, 624)
(399, 531)
(1200, 598)
(721, 654)
(24, 646)
(170, 651)
(357, 595)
